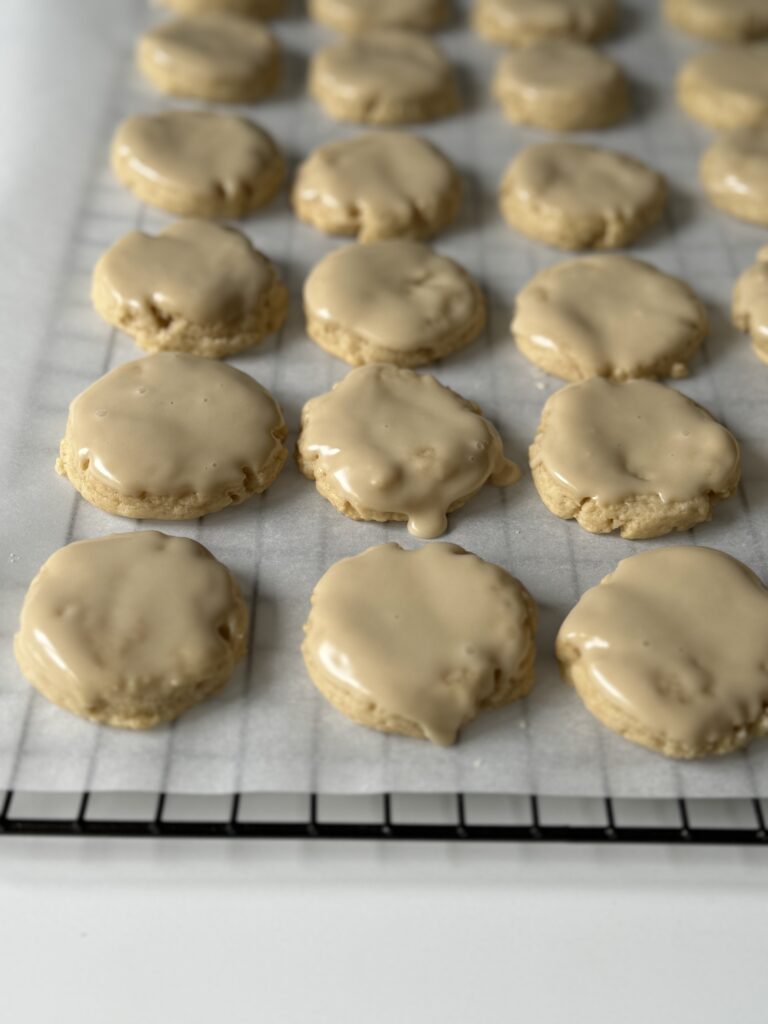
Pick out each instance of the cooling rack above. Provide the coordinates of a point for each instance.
(391, 817)
(78, 348)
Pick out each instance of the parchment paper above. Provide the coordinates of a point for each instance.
(65, 81)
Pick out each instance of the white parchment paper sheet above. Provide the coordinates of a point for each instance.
(66, 80)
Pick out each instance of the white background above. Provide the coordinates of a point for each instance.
(119, 932)
(164, 932)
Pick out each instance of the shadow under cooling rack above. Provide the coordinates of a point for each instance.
(392, 816)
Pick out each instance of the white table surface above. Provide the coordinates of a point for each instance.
(95, 931)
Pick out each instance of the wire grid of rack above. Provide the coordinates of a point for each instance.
(386, 817)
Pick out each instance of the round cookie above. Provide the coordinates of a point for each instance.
(671, 651)
(725, 20)
(418, 642)
(384, 76)
(608, 315)
(361, 15)
(380, 185)
(215, 55)
(389, 444)
(197, 162)
(252, 8)
(734, 173)
(580, 197)
(560, 84)
(522, 21)
(749, 308)
(726, 87)
(196, 287)
(394, 301)
(131, 629)
(635, 456)
(172, 436)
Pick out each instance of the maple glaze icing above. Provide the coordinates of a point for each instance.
(207, 154)
(426, 635)
(386, 179)
(552, 66)
(397, 293)
(737, 74)
(676, 641)
(215, 45)
(611, 442)
(579, 180)
(750, 303)
(389, 440)
(173, 424)
(382, 62)
(357, 15)
(125, 620)
(522, 20)
(608, 315)
(734, 172)
(202, 271)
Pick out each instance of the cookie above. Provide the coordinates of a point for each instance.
(560, 84)
(671, 651)
(361, 15)
(215, 55)
(196, 287)
(635, 456)
(253, 8)
(383, 76)
(380, 185)
(522, 21)
(389, 444)
(418, 642)
(580, 197)
(608, 315)
(394, 301)
(725, 20)
(172, 436)
(734, 173)
(749, 308)
(726, 87)
(131, 629)
(197, 162)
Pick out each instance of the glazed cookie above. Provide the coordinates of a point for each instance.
(381, 185)
(391, 302)
(418, 642)
(560, 84)
(254, 8)
(172, 436)
(131, 629)
(580, 197)
(196, 287)
(215, 56)
(671, 651)
(750, 304)
(726, 87)
(734, 173)
(608, 315)
(197, 162)
(390, 444)
(636, 457)
(522, 21)
(384, 76)
(726, 20)
(361, 15)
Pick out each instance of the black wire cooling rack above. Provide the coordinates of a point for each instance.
(386, 817)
